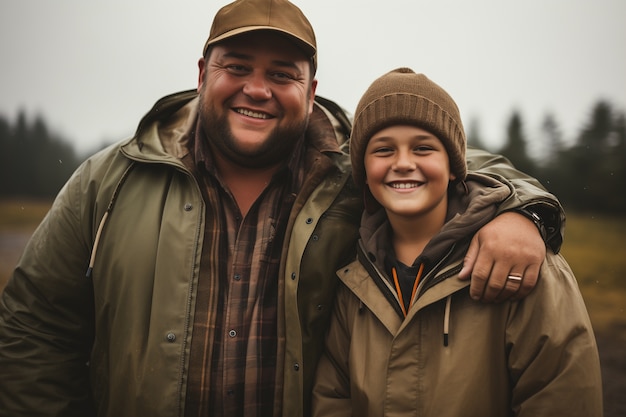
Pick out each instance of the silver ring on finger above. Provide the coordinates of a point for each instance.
(514, 278)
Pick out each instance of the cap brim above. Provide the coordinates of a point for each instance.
(306, 47)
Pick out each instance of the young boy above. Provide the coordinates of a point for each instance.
(405, 336)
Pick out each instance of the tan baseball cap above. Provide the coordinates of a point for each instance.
(242, 16)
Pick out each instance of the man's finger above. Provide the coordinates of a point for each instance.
(470, 258)
(531, 275)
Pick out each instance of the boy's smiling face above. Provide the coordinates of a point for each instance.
(408, 171)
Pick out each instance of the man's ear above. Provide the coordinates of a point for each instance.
(201, 71)
(312, 95)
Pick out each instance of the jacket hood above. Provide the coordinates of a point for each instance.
(164, 131)
(471, 205)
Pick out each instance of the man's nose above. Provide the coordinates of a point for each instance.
(257, 87)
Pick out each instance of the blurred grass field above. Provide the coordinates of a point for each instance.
(595, 248)
(22, 215)
(18, 220)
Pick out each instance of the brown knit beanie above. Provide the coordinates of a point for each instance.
(403, 97)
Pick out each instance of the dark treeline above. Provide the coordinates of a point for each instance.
(34, 162)
(587, 173)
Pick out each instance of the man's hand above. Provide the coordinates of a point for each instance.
(508, 246)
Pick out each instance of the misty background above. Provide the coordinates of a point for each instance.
(542, 82)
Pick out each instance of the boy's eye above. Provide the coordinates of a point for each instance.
(423, 148)
(382, 150)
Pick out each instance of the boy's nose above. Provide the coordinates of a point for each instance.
(404, 161)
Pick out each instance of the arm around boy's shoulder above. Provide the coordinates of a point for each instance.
(530, 198)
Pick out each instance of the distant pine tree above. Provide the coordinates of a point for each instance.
(515, 146)
(34, 162)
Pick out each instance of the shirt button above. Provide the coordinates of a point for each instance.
(232, 333)
(188, 207)
(237, 277)
(296, 366)
(171, 337)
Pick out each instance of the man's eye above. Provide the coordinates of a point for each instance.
(282, 76)
(237, 69)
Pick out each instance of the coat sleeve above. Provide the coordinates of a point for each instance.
(331, 391)
(46, 316)
(529, 193)
(553, 357)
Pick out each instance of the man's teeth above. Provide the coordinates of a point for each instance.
(254, 114)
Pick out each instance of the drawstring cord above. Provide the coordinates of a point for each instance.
(446, 321)
(96, 242)
(399, 290)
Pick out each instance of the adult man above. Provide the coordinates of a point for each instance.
(211, 240)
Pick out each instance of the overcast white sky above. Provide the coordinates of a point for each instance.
(92, 69)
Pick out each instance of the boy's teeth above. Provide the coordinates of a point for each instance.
(404, 185)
